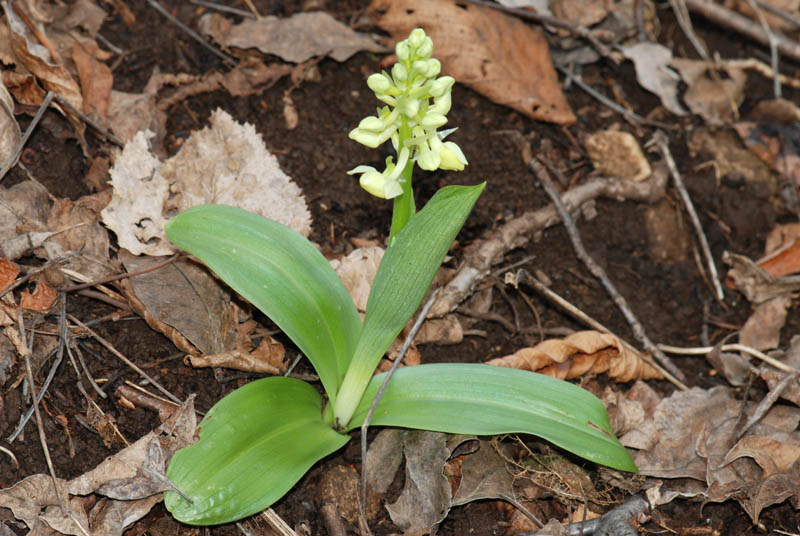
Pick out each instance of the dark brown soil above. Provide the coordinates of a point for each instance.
(667, 298)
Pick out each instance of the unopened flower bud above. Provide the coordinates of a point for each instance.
(379, 83)
(442, 104)
(426, 48)
(410, 107)
(442, 85)
(416, 38)
(399, 72)
(402, 51)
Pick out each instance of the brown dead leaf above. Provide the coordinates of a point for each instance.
(36, 59)
(183, 296)
(42, 298)
(730, 158)
(754, 282)
(269, 357)
(10, 134)
(77, 227)
(582, 352)
(710, 96)
(653, 73)
(497, 55)
(250, 76)
(693, 434)
(8, 272)
(132, 481)
(294, 39)
(762, 330)
(96, 82)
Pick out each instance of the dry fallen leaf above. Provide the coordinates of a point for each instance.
(651, 61)
(41, 299)
(692, 437)
(497, 55)
(226, 163)
(37, 59)
(269, 357)
(582, 352)
(184, 296)
(668, 236)
(10, 134)
(96, 82)
(710, 96)
(132, 481)
(135, 212)
(762, 330)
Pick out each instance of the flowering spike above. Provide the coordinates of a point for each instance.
(418, 104)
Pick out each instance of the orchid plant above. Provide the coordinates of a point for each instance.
(258, 441)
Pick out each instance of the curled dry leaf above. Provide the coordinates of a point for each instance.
(497, 55)
(580, 353)
(36, 59)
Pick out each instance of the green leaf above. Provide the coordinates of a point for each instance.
(282, 274)
(403, 278)
(485, 400)
(255, 444)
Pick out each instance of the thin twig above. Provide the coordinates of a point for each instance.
(91, 122)
(50, 375)
(124, 359)
(10, 454)
(791, 18)
(685, 22)
(633, 116)
(660, 139)
(40, 426)
(592, 323)
(224, 8)
(362, 514)
(719, 14)
(577, 29)
(194, 35)
(18, 151)
(733, 347)
(638, 331)
(117, 277)
(34, 271)
(773, 47)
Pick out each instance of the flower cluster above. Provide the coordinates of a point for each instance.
(417, 104)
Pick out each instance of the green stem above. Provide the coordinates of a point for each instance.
(404, 206)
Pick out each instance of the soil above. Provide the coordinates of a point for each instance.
(668, 298)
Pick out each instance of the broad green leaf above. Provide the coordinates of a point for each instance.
(255, 444)
(403, 278)
(485, 400)
(282, 274)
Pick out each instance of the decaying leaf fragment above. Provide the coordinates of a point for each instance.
(693, 437)
(10, 134)
(497, 55)
(294, 39)
(581, 353)
(226, 163)
(132, 481)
